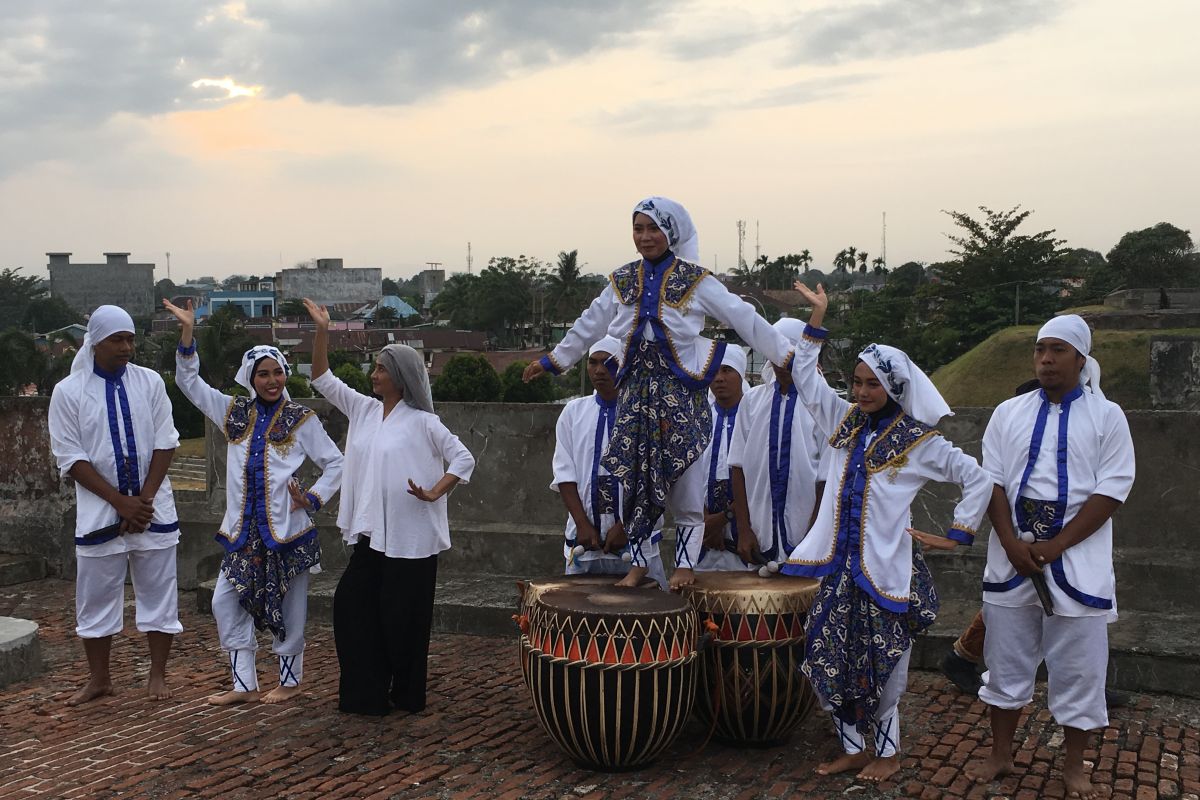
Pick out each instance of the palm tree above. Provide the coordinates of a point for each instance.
(565, 291)
(879, 267)
(806, 260)
(839, 262)
(862, 262)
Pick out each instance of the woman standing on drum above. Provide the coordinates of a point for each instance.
(383, 605)
(656, 307)
(876, 591)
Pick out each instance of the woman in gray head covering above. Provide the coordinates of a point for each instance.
(395, 448)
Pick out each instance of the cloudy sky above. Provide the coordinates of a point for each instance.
(240, 136)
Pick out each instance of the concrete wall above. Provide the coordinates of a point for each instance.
(1175, 372)
(1188, 298)
(85, 286)
(513, 445)
(330, 283)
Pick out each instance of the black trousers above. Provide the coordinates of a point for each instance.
(382, 616)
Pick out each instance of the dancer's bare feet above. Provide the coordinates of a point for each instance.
(682, 576)
(880, 769)
(281, 693)
(231, 698)
(846, 762)
(157, 689)
(633, 578)
(989, 769)
(1078, 783)
(95, 687)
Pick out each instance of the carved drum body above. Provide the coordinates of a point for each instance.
(751, 682)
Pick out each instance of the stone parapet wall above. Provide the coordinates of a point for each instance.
(513, 445)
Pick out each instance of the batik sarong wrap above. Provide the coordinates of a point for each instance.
(662, 429)
(262, 576)
(852, 645)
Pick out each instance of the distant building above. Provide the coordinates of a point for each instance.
(252, 302)
(430, 283)
(329, 283)
(116, 282)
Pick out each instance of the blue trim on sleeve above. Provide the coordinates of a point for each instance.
(815, 333)
(313, 500)
(960, 536)
(187, 351)
(548, 365)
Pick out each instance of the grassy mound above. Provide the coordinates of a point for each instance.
(987, 374)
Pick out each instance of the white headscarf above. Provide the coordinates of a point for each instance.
(103, 323)
(735, 358)
(792, 330)
(609, 344)
(673, 220)
(905, 383)
(407, 371)
(1074, 330)
(245, 373)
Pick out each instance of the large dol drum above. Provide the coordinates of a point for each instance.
(529, 591)
(611, 671)
(750, 679)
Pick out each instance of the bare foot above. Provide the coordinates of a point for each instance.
(681, 577)
(880, 769)
(157, 688)
(280, 693)
(989, 769)
(231, 698)
(1078, 783)
(633, 577)
(847, 761)
(91, 690)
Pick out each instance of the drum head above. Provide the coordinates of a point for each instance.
(752, 582)
(613, 601)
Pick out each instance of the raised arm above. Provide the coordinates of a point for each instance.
(717, 301)
(211, 402)
(320, 353)
(822, 402)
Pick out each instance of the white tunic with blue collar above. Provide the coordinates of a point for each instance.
(1050, 458)
(266, 446)
(873, 478)
(667, 304)
(778, 447)
(115, 422)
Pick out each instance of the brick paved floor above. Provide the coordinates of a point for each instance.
(478, 737)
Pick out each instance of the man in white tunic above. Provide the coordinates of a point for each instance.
(111, 431)
(1062, 462)
(728, 389)
(590, 494)
(773, 461)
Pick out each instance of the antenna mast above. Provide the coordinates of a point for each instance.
(741, 229)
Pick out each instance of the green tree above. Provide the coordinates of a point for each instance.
(298, 386)
(21, 362)
(339, 357)
(997, 274)
(45, 314)
(187, 418)
(353, 376)
(292, 308)
(390, 287)
(567, 294)
(221, 341)
(385, 317)
(1154, 257)
(17, 293)
(164, 288)
(514, 390)
(468, 377)
(456, 301)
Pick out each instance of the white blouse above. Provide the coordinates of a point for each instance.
(382, 455)
(302, 437)
(82, 429)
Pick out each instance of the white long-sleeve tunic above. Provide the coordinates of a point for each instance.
(112, 421)
(382, 455)
(669, 302)
(1099, 460)
(581, 435)
(776, 456)
(872, 481)
(261, 457)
